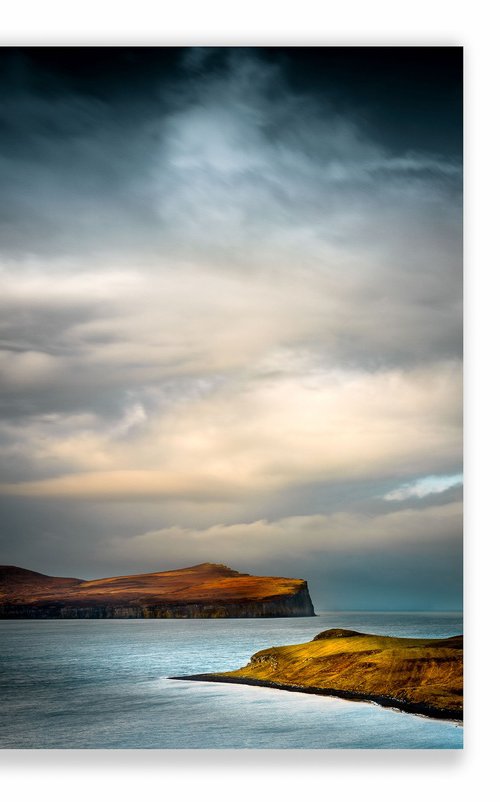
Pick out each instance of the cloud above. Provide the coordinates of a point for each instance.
(27, 369)
(233, 224)
(223, 296)
(428, 485)
(130, 484)
(335, 533)
(256, 436)
(133, 416)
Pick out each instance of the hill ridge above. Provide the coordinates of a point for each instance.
(206, 590)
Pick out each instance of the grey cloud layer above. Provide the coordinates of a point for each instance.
(220, 303)
(247, 202)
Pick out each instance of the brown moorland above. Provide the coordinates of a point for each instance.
(207, 590)
(417, 675)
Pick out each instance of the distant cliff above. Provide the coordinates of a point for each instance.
(417, 675)
(203, 591)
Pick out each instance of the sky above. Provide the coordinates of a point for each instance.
(231, 325)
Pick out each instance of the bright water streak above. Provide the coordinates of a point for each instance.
(104, 684)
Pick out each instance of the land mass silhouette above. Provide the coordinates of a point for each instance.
(208, 590)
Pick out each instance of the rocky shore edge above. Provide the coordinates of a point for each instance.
(401, 705)
(421, 676)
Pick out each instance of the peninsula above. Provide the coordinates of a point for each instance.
(207, 590)
(416, 675)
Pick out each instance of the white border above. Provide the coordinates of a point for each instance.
(290, 775)
(197, 22)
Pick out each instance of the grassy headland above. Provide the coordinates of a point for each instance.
(208, 590)
(417, 675)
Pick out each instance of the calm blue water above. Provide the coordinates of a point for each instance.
(104, 685)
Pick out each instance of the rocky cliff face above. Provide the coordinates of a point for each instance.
(203, 591)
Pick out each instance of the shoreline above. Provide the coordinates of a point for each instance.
(413, 708)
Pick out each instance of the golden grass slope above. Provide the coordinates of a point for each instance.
(199, 583)
(419, 675)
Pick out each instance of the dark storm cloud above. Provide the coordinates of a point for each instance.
(62, 173)
(225, 164)
(409, 97)
(83, 130)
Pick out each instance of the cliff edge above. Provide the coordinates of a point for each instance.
(207, 590)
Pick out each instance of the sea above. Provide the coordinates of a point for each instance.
(106, 684)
